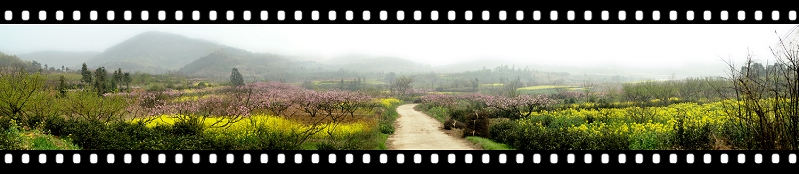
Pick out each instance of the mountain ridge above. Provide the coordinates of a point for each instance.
(153, 52)
(161, 52)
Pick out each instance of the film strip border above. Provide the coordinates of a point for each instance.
(398, 16)
(401, 157)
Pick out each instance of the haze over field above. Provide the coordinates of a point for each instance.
(649, 51)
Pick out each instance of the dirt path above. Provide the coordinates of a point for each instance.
(418, 131)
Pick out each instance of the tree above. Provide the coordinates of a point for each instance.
(100, 81)
(127, 79)
(16, 90)
(433, 79)
(236, 79)
(118, 79)
(401, 85)
(86, 105)
(62, 86)
(35, 67)
(768, 98)
(390, 77)
(475, 84)
(86, 73)
(511, 88)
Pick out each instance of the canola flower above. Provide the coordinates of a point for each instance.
(248, 126)
(646, 127)
(388, 102)
(191, 98)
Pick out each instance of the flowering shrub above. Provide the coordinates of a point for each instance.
(264, 106)
(513, 106)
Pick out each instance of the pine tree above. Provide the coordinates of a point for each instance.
(235, 78)
(86, 73)
(62, 86)
(117, 78)
(113, 86)
(101, 81)
(126, 78)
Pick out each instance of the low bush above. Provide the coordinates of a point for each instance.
(454, 124)
(477, 124)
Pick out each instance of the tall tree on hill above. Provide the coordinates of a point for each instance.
(390, 77)
(475, 84)
(101, 81)
(36, 66)
(86, 73)
(127, 79)
(117, 78)
(62, 86)
(236, 79)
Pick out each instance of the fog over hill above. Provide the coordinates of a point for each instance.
(647, 51)
(153, 52)
(57, 59)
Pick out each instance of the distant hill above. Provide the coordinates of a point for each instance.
(10, 61)
(219, 64)
(57, 59)
(260, 66)
(347, 58)
(153, 52)
(474, 65)
(366, 63)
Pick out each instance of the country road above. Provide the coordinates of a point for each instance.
(418, 131)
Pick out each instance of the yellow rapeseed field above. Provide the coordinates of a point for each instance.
(645, 126)
(247, 126)
(388, 102)
(190, 98)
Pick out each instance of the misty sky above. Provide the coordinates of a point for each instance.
(572, 44)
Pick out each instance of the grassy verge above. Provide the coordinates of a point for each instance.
(15, 139)
(439, 113)
(388, 117)
(487, 144)
(383, 139)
